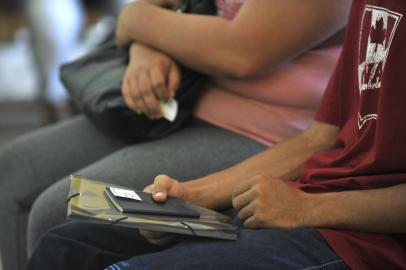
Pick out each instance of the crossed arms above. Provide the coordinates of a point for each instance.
(264, 34)
(258, 39)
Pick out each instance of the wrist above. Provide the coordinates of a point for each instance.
(127, 18)
(193, 193)
(208, 192)
(320, 211)
(142, 53)
(134, 50)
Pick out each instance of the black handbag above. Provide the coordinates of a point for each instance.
(94, 84)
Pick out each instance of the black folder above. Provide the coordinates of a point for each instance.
(147, 206)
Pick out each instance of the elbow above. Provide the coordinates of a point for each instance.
(243, 67)
(245, 70)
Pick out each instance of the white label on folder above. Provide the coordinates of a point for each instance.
(169, 109)
(125, 193)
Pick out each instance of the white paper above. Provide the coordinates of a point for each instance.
(125, 193)
(169, 109)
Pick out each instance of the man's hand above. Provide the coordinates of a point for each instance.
(150, 77)
(270, 203)
(163, 187)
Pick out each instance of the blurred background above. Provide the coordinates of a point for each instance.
(36, 36)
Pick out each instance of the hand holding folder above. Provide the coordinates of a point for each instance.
(94, 201)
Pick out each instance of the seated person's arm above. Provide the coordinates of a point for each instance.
(378, 210)
(282, 161)
(257, 188)
(264, 202)
(264, 34)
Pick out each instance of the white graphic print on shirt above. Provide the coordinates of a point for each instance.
(378, 27)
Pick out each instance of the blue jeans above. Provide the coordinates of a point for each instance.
(255, 249)
(89, 246)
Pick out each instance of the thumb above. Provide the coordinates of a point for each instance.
(162, 186)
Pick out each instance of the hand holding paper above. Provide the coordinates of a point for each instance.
(150, 82)
(169, 109)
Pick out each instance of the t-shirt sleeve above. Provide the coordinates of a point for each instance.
(328, 111)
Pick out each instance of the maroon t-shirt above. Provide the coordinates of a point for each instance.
(366, 98)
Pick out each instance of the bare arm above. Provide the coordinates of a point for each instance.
(264, 202)
(379, 210)
(281, 161)
(264, 33)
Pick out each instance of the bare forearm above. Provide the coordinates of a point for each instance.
(379, 210)
(282, 161)
(215, 190)
(184, 37)
(254, 40)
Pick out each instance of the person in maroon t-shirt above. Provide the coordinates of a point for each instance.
(346, 174)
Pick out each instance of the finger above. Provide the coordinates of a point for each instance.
(149, 189)
(243, 199)
(243, 187)
(136, 96)
(128, 100)
(247, 212)
(252, 223)
(173, 80)
(148, 96)
(158, 82)
(162, 185)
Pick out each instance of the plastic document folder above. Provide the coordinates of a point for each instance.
(92, 200)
